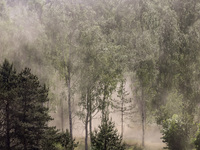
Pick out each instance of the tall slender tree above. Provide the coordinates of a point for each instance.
(123, 104)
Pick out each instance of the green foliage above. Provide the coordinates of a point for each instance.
(66, 142)
(50, 139)
(24, 116)
(92, 44)
(107, 138)
(32, 115)
(175, 133)
(174, 105)
(197, 140)
(8, 103)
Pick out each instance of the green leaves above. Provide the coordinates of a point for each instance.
(175, 133)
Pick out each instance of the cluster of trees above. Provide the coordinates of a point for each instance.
(24, 115)
(95, 45)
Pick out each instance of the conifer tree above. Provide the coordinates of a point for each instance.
(32, 114)
(8, 82)
(23, 116)
(107, 138)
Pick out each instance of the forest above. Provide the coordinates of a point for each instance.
(99, 74)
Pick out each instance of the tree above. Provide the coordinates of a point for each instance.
(62, 43)
(145, 73)
(107, 138)
(51, 137)
(123, 104)
(32, 114)
(178, 57)
(89, 74)
(24, 116)
(8, 95)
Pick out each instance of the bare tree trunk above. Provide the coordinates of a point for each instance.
(86, 124)
(143, 118)
(7, 127)
(69, 101)
(90, 122)
(69, 67)
(24, 120)
(104, 105)
(62, 115)
(122, 118)
(122, 111)
(86, 132)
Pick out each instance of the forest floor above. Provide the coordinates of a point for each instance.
(131, 143)
(148, 145)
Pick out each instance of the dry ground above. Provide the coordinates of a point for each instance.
(148, 145)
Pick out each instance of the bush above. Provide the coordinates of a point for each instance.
(66, 141)
(175, 134)
(107, 138)
(54, 140)
(51, 137)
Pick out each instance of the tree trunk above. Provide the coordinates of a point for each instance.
(69, 101)
(122, 111)
(86, 124)
(7, 128)
(86, 132)
(143, 130)
(143, 118)
(104, 105)
(90, 121)
(24, 120)
(122, 118)
(62, 116)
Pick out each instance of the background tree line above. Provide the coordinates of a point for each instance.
(91, 46)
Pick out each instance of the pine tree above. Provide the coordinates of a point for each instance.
(23, 115)
(107, 138)
(8, 84)
(32, 114)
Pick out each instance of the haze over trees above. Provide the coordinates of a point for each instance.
(84, 52)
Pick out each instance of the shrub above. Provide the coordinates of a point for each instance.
(66, 141)
(175, 134)
(54, 140)
(51, 137)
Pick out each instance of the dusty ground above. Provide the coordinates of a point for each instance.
(148, 145)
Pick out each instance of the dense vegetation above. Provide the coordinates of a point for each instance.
(84, 51)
